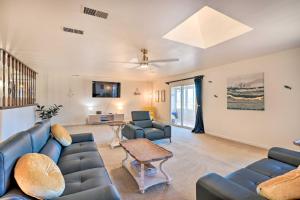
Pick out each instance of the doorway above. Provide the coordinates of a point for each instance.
(183, 105)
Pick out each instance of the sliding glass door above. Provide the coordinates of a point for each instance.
(183, 105)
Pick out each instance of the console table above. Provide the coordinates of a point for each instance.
(104, 118)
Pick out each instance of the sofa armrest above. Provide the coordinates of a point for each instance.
(108, 192)
(285, 155)
(131, 131)
(216, 187)
(82, 137)
(164, 127)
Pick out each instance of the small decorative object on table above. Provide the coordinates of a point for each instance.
(144, 152)
(297, 142)
(149, 169)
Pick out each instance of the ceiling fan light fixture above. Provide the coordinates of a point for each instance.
(144, 66)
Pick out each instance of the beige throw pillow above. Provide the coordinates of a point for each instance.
(284, 187)
(38, 176)
(61, 135)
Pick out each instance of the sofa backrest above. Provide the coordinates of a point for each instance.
(52, 149)
(141, 119)
(39, 134)
(140, 115)
(10, 151)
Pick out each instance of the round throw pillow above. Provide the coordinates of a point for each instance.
(61, 135)
(38, 176)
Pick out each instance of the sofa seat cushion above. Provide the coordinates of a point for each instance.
(79, 147)
(85, 180)
(153, 133)
(270, 167)
(80, 161)
(247, 178)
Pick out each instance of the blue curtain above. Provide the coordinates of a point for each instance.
(199, 126)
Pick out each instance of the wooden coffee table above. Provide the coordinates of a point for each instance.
(145, 152)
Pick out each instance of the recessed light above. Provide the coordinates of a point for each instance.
(207, 28)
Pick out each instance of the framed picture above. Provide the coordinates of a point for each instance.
(246, 92)
(163, 96)
(157, 96)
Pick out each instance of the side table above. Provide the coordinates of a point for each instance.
(116, 127)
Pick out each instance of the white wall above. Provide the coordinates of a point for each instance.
(75, 94)
(278, 125)
(15, 120)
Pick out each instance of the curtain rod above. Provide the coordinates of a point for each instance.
(184, 79)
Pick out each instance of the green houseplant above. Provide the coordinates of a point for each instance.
(48, 113)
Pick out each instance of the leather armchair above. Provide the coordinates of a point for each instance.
(142, 126)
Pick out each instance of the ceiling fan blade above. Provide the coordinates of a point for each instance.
(155, 65)
(164, 60)
(135, 63)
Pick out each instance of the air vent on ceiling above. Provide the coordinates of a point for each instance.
(94, 12)
(72, 30)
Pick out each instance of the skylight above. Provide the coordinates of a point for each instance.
(207, 28)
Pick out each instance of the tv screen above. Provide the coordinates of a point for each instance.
(106, 89)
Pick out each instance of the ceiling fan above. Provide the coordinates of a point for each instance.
(146, 64)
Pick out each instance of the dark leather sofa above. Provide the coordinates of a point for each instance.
(241, 185)
(142, 126)
(80, 163)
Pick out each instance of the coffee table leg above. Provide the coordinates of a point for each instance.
(124, 160)
(142, 186)
(163, 172)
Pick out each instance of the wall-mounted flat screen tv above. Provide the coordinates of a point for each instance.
(106, 89)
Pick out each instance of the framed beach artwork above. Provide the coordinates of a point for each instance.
(246, 92)
(157, 96)
(163, 96)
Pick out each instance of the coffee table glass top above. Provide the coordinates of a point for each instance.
(144, 151)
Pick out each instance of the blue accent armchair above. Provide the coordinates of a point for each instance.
(142, 126)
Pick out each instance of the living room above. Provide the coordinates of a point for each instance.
(109, 99)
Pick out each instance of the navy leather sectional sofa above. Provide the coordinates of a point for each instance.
(80, 163)
(241, 185)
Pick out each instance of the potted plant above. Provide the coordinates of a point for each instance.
(48, 113)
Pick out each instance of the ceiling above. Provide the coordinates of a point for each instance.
(32, 31)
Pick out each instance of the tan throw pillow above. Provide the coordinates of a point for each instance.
(284, 187)
(61, 135)
(38, 176)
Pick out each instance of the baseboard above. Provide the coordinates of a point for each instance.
(266, 147)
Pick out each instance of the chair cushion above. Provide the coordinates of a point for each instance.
(80, 161)
(270, 167)
(61, 134)
(87, 179)
(247, 178)
(39, 134)
(10, 151)
(143, 123)
(38, 176)
(140, 115)
(153, 133)
(79, 147)
(52, 149)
